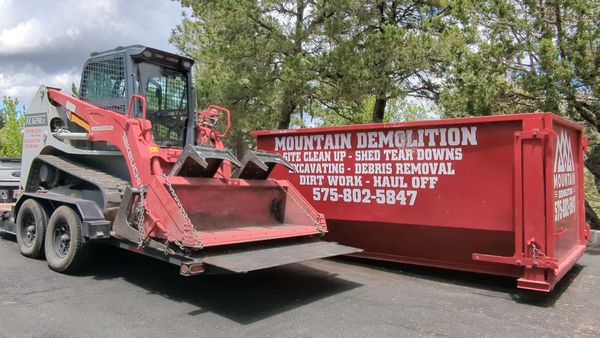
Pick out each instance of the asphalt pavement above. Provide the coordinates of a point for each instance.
(121, 294)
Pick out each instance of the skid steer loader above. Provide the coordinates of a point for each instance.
(130, 162)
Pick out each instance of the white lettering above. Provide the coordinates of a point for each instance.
(312, 142)
(131, 158)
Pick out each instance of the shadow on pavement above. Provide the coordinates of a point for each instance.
(482, 284)
(7, 236)
(244, 298)
(549, 299)
(593, 252)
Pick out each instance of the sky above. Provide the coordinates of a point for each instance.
(47, 42)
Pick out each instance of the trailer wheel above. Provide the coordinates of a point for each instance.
(31, 228)
(65, 249)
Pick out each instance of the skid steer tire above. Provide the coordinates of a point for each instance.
(65, 250)
(31, 228)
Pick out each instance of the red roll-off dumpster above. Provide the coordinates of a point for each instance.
(500, 195)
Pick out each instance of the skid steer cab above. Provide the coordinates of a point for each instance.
(130, 162)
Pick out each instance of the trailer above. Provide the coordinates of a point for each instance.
(130, 162)
(498, 195)
(10, 176)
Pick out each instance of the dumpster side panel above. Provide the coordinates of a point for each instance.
(459, 177)
(442, 247)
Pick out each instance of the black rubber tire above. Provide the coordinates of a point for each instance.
(31, 241)
(65, 221)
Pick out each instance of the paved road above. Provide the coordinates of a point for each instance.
(128, 295)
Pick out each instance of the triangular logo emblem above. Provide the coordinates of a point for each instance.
(563, 161)
(565, 180)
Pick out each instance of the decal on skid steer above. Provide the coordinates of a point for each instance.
(131, 158)
(102, 128)
(34, 120)
(71, 106)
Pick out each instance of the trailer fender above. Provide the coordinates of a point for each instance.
(95, 226)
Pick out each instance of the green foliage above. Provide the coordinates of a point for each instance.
(389, 50)
(74, 90)
(279, 62)
(397, 110)
(251, 59)
(591, 193)
(11, 137)
(527, 56)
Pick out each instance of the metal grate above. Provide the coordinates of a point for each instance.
(103, 83)
(166, 95)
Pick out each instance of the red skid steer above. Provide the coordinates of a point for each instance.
(131, 163)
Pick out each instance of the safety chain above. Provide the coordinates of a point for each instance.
(536, 253)
(304, 211)
(140, 214)
(183, 212)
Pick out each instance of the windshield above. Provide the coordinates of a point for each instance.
(166, 95)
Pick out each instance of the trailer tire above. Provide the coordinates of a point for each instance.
(31, 224)
(65, 250)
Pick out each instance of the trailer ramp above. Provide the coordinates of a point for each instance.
(263, 258)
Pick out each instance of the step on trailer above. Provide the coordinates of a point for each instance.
(499, 195)
(131, 163)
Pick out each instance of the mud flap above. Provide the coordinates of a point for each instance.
(199, 161)
(6, 223)
(8, 227)
(257, 165)
(262, 258)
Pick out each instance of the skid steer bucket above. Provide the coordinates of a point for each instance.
(239, 211)
(258, 165)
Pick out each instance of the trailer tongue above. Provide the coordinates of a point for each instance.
(131, 162)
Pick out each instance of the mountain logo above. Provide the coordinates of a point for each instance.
(563, 161)
(565, 199)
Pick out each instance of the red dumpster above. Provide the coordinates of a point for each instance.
(500, 195)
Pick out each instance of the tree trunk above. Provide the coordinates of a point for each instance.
(590, 217)
(288, 105)
(380, 100)
(290, 95)
(239, 144)
(379, 109)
